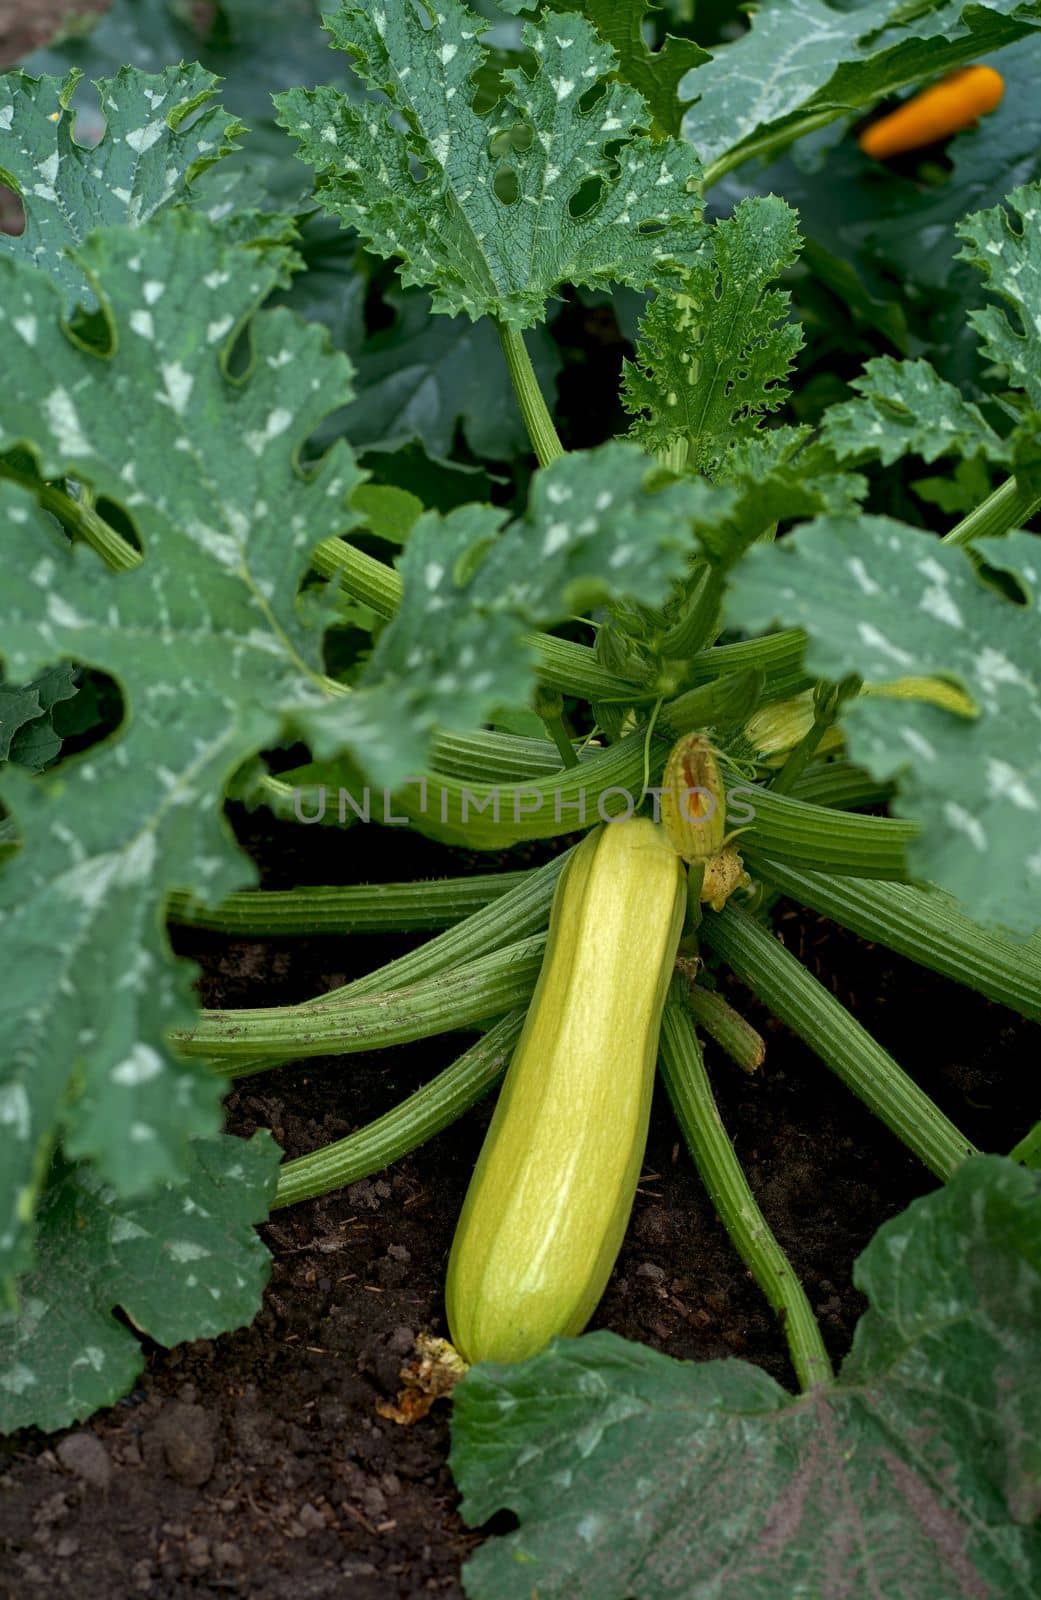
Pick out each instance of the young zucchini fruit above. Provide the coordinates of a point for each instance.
(551, 1194)
(936, 113)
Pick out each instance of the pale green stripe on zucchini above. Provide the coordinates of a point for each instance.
(550, 1197)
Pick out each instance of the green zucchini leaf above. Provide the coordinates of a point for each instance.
(654, 74)
(1004, 243)
(889, 602)
(206, 646)
(160, 133)
(713, 353)
(182, 1263)
(905, 408)
(493, 214)
(917, 1476)
(254, 46)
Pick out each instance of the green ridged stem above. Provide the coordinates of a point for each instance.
(238, 1042)
(800, 834)
(720, 702)
(1006, 508)
(481, 757)
(779, 656)
(806, 1006)
(693, 1102)
(543, 435)
(360, 908)
(409, 1124)
(544, 808)
(518, 914)
(745, 1047)
(78, 518)
(841, 784)
(491, 756)
(767, 144)
(361, 575)
(521, 912)
(694, 629)
(924, 924)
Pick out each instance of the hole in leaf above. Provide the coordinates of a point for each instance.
(89, 127)
(70, 709)
(90, 327)
(96, 711)
(515, 139)
(120, 521)
(588, 195)
(505, 186)
(1007, 584)
(238, 360)
(12, 212)
(591, 98)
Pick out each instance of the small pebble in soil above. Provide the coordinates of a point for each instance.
(187, 1435)
(86, 1456)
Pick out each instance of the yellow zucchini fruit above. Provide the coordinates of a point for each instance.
(551, 1194)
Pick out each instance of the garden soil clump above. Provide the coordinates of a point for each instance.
(260, 1463)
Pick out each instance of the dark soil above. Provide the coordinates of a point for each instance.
(258, 1464)
(27, 24)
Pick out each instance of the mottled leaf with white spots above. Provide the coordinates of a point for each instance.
(906, 408)
(1005, 243)
(634, 1476)
(656, 74)
(205, 641)
(713, 353)
(160, 133)
(890, 603)
(423, 178)
(182, 1263)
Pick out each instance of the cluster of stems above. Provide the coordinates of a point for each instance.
(477, 974)
(480, 971)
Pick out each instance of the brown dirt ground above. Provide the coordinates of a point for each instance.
(26, 24)
(257, 1464)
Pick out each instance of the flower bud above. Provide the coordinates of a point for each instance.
(693, 799)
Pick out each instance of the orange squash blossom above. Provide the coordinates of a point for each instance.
(946, 108)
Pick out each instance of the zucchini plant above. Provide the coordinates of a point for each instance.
(218, 588)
